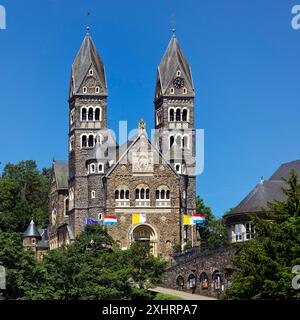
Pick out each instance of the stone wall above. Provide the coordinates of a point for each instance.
(194, 263)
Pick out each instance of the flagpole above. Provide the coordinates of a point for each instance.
(192, 235)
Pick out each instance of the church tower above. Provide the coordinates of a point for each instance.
(174, 119)
(87, 125)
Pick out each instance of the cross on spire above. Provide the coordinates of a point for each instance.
(88, 23)
(173, 23)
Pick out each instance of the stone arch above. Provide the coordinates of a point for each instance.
(217, 280)
(147, 234)
(192, 282)
(203, 279)
(180, 282)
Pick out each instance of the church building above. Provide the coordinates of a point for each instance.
(140, 190)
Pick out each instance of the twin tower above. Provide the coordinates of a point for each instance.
(144, 188)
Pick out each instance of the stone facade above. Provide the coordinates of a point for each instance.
(154, 181)
(206, 273)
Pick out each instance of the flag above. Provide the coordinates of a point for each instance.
(198, 218)
(138, 218)
(90, 220)
(188, 220)
(110, 220)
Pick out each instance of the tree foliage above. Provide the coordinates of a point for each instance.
(23, 196)
(264, 265)
(213, 232)
(90, 268)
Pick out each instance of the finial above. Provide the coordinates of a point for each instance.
(88, 23)
(173, 22)
(142, 124)
(261, 180)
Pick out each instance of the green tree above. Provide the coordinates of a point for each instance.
(23, 195)
(213, 232)
(93, 268)
(264, 265)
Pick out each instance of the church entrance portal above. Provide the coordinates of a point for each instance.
(146, 234)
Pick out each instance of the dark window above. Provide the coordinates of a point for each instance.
(171, 114)
(184, 115)
(97, 114)
(168, 194)
(147, 194)
(117, 194)
(171, 141)
(91, 113)
(127, 194)
(137, 193)
(162, 194)
(178, 116)
(83, 114)
(91, 141)
(83, 141)
(157, 194)
(142, 193)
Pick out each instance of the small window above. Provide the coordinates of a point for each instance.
(178, 115)
(93, 194)
(84, 89)
(33, 241)
(178, 73)
(83, 141)
(97, 89)
(171, 115)
(100, 167)
(178, 168)
(100, 216)
(172, 91)
(172, 140)
(91, 72)
(184, 115)
(83, 114)
(184, 90)
(92, 168)
(97, 114)
(91, 114)
(91, 140)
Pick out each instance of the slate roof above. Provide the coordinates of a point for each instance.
(31, 231)
(87, 56)
(44, 242)
(61, 171)
(173, 60)
(267, 191)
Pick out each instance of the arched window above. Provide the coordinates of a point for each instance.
(217, 280)
(127, 195)
(91, 114)
(93, 194)
(142, 193)
(122, 194)
(97, 89)
(178, 115)
(137, 193)
(191, 281)
(180, 282)
(178, 140)
(203, 280)
(172, 140)
(184, 115)
(147, 194)
(157, 194)
(162, 194)
(171, 114)
(185, 141)
(83, 114)
(97, 114)
(117, 194)
(83, 141)
(168, 194)
(178, 168)
(91, 140)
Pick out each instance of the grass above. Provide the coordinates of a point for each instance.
(163, 296)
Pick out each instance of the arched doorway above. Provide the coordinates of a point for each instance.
(217, 280)
(203, 280)
(180, 282)
(146, 234)
(191, 282)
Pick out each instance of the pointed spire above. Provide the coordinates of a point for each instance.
(172, 63)
(87, 59)
(31, 231)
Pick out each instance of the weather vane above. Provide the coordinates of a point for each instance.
(88, 23)
(173, 23)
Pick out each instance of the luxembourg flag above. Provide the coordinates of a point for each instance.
(110, 220)
(198, 218)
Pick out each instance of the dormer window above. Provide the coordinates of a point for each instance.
(97, 89)
(91, 72)
(84, 89)
(178, 73)
(172, 91)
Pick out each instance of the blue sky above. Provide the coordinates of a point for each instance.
(245, 60)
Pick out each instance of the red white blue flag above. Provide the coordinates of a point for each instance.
(198, 218)
(110, 220)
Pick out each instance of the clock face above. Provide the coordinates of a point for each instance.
(178, 82)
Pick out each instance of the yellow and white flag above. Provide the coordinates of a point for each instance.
(188, 220)
(138, 218)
